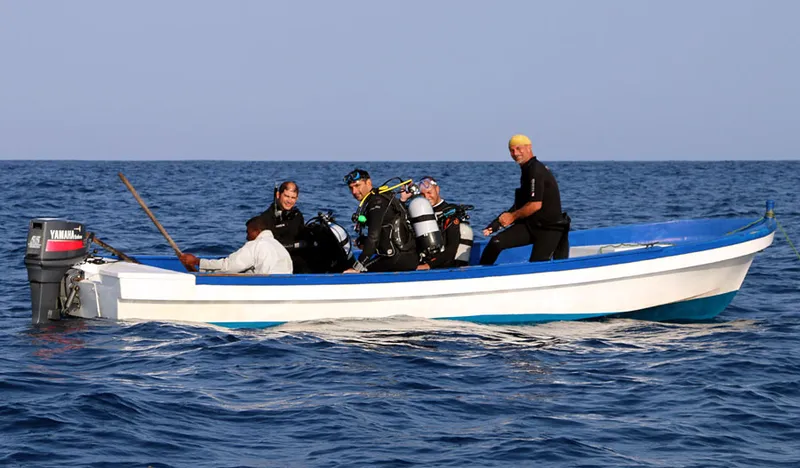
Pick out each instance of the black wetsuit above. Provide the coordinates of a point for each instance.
(286, 227)
(546, 229)
(451, 236)
(389, 243)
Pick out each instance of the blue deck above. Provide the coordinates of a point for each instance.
(686, 236)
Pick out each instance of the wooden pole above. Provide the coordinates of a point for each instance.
(114, 251)
(152, 217)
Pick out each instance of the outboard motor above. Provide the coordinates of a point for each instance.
(423, 221)
(54, 246)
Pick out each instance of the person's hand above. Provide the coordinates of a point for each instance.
(350, 270)
(424, 266)
(189, 260)
(404, 194)
(487, 231)
(506, 219)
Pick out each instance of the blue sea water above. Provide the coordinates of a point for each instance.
(402, 391)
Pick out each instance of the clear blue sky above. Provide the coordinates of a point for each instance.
(402, 80)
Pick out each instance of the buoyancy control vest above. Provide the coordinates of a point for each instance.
(327, 247)
(457, 214)
(465, 243)
(396, 234)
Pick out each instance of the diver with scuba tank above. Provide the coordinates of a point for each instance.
(286, 221)
(385, 234)
(453, 222)
(283, 217)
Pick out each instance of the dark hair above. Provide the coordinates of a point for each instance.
(356, 174)
(256, 222)
(285, 186)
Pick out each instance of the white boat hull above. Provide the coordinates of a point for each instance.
(705, 280)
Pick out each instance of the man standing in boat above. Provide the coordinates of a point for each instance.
(389, 243)
(536, 217)
(286, 221)
(261, 254)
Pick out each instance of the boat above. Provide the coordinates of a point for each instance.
(681, 270)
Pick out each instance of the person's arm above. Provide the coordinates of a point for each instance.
(452, 236)
(527, 209)
(531, 206)
(375, 216)
(237, 262)
(495, 225)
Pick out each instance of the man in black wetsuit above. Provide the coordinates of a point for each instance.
(456, 250)
(536, 217)
(286, 221)
(389, 243)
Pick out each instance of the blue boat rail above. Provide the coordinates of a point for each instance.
(656, 240)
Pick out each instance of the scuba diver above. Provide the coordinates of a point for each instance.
(388, 244)
(453, 222)
(286, 221)
(282, 217)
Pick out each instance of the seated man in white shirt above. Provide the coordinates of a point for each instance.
(260, 255)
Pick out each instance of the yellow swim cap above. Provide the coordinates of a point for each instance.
(519, 140)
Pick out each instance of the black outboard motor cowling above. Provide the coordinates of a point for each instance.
(54, 246)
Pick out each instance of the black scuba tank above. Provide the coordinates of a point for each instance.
(326, 246)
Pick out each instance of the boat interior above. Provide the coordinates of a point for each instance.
(589, 243)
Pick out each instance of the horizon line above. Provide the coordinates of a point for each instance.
(391, 160)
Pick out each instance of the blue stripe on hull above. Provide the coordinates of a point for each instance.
(687, 311)
(695, 310)
(247, 324)
(518, 319)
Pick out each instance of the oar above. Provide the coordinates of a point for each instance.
(152, 217)
(114, 251)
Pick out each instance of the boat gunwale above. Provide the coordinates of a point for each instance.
(762, 228)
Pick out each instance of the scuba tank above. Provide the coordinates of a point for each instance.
(423, 221)
(458, 214)
(396, 233)
(465, 244)
(327, 246)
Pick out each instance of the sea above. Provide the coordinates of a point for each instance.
(398, 392)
